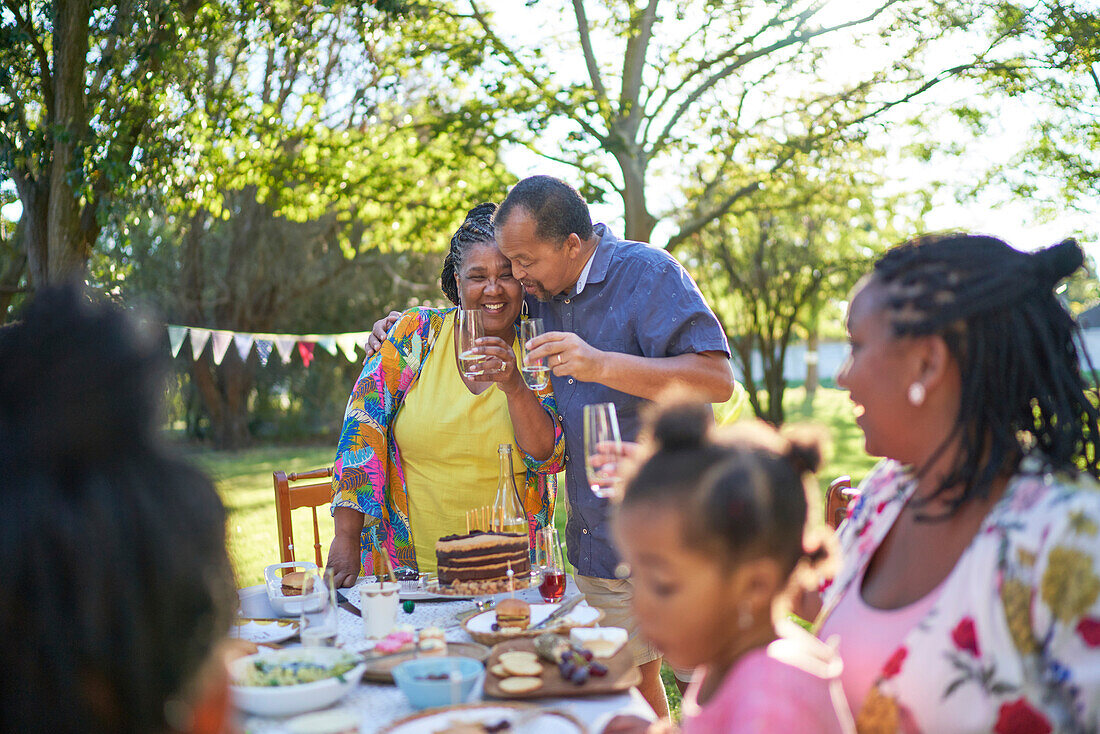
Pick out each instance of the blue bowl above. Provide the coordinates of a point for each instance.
(413, 678)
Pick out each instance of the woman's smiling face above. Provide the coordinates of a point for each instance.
(485, 282)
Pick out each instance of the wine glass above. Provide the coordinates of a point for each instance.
(320, 628)
(601, 432)
(550, 564)
(470, 329)
(536, 374)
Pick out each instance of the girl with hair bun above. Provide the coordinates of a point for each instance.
(715, 529)
(969, 594)
(418, 446)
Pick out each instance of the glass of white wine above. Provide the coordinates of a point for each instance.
(470, 329)
(601, 432)
(536, 374)
(320, 628)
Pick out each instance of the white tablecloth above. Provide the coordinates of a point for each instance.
(379, 705)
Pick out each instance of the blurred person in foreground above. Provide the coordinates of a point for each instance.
(968, 598)
(115, 586)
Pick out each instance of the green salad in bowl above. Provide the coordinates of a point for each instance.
(273, 670)
(293, 680)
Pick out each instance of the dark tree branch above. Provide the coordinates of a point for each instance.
(586, 48)
(795, 37)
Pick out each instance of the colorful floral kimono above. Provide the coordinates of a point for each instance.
(367, 475)
(1012, 644)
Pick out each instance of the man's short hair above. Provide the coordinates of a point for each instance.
(557, 208)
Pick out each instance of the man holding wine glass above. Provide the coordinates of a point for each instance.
(622, 322)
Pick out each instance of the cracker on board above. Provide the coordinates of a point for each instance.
(520, 684)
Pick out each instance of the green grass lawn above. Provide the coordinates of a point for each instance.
(244, 481)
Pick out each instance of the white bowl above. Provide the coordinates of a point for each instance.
(291, 606)
(298, 698)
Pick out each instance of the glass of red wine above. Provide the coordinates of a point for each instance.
(551, 565)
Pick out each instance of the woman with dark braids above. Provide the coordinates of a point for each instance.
(969, 596)
(418, 446)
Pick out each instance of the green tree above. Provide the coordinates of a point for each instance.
(664, 84)
(85, 89)
(320, 141)
(769, 266)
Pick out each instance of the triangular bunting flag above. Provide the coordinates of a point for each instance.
(285, 345)
(199, 337)
(220, 340)
(346, 342)
(361, 339)
(244, 345)
(263, 350)
(176, 335)
(328, 343)
(305, 351)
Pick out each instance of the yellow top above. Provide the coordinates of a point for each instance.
(447, 439)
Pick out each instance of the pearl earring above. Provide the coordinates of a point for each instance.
(917, 394)
(745, 618)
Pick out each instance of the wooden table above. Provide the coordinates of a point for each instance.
(378, 705)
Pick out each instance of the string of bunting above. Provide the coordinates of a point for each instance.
(285, 345)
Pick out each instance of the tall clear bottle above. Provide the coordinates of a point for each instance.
(508, 514)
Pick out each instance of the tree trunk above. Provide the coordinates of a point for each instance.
(638, 221)
(12, 274)
(812, 378)
(224, 390)
(68, 250)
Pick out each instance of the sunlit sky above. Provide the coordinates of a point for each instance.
(994, 211)
(551, 24)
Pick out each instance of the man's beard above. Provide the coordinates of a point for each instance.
(540, 294)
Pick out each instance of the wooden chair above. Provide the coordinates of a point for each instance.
(288, 497)
(837, 498)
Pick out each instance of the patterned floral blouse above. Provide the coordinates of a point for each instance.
(367, 475)
(1012, 645)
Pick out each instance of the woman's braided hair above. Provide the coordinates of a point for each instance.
(476, 229)
(1017, 347)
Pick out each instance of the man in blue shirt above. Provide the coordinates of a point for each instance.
(624, 321)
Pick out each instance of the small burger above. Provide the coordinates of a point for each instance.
(297, 583)
(513, 613)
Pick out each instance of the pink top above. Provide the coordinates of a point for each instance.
(792, 685)
(868, 636)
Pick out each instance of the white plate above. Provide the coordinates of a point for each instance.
(548, 722)
(581, 615)
(264, 630)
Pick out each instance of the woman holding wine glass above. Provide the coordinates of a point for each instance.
(418, 447)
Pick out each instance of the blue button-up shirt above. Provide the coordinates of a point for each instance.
(637, 299)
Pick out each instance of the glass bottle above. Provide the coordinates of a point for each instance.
(508, 514)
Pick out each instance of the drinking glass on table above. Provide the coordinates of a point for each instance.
(320, 628)
(602, 447)
(470, 329)
(536, 374)
(550, 564)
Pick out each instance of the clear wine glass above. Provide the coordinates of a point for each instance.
(550, 564)
(601, 433)
(319, 628)
(537, 373)
(470, 329)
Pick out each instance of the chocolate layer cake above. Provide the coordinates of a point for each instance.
(481, 556)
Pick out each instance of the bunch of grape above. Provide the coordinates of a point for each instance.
(577, 665)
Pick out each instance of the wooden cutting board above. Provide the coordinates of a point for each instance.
(621, 675)
(381, 671)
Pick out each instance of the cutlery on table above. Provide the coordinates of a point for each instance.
(561, 611)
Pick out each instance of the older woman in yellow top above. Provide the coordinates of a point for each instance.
(419, 444)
